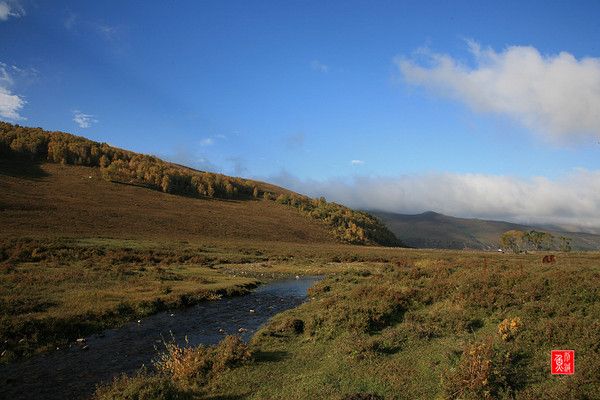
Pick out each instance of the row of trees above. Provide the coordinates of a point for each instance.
(348, 225)
(128, 167)
(522, 241)
(120, 165)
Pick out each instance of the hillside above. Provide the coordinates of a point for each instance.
(434, 230)
(61, 184)
(59, 200)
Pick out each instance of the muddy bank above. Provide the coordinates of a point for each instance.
(74, 372)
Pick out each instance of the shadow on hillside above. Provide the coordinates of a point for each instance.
(19, 167)
(270, 356)
(151, 187)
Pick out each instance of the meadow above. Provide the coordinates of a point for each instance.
(384, 323)
(406, 324)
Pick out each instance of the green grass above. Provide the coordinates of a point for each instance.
(429, 325)
(387, 322)
(55, 291)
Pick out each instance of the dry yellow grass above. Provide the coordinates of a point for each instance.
(53, 200)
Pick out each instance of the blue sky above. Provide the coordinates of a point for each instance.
(317, 95)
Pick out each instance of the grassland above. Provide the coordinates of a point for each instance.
(54, 200)
(416, 324)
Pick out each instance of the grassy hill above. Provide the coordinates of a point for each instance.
(433, 230)
(64, 184)
(54, 200)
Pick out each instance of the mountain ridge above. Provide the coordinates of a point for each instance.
(431, 229)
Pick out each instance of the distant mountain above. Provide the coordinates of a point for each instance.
(434, 230)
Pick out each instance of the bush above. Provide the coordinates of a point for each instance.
(489, 369)
(193, 366)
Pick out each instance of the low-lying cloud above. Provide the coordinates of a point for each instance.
(554, 95)
(572, 200)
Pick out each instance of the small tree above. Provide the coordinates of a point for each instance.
(513, 240)
(165, 184)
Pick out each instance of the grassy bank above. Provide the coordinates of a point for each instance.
(419, 324)
(54, 291)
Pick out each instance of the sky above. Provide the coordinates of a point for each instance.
(469, 108)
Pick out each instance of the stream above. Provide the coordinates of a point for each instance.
(74, 372)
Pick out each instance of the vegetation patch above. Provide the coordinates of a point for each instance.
(409, 329)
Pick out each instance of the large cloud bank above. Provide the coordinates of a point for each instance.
(557, 96)
(571, 201)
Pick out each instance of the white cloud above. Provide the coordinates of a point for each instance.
(10, 9)
(357, 162)
(573, 199)
(10, 104)
(207, 141)
(316, 65)
(554, 95)
(83, 120)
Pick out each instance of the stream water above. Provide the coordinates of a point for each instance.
(73, 373)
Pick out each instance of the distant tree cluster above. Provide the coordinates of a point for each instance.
(348, 225)
(120, 165)
(522, 241)
(123, 166)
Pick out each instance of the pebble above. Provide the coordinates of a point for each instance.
(86, 347)
(139, 321)
(251, 311)
(241, 330)
(80, 340)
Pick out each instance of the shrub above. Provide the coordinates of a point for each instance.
(509, 328)
(489, 368)
(230, 352)
(184, 364)
(195, 365)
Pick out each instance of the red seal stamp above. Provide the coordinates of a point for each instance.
(562, 362)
